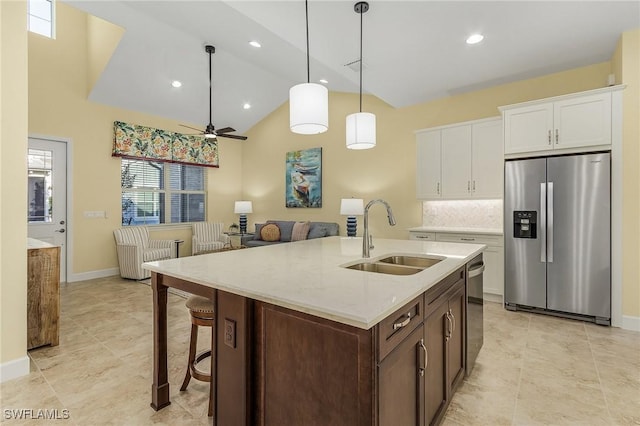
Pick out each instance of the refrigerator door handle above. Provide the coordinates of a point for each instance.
(543, 222)
(550, 224)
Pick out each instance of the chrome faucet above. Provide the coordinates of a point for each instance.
(366, 240)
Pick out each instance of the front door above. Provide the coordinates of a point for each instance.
(47, 195)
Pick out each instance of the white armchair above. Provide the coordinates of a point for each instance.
(208, 236)
(134, 248)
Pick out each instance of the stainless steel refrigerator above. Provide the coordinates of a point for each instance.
(558, 236)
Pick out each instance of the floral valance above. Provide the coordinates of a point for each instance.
(147, 143)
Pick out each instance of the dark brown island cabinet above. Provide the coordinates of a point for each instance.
(279, 367)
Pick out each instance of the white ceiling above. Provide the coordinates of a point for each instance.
(413, 51)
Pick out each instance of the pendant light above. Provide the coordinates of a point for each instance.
(361, 126)
(308, 102)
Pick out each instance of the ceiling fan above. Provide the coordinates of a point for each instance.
(210, 131)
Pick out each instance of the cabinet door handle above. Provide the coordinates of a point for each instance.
(549, 136)
(447, 333)
(453, 321)
(468, 186)
(438, 188)
(557, 136)
(421, 370)
(399, 325)
(474, 185)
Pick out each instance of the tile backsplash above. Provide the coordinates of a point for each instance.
(463, 214)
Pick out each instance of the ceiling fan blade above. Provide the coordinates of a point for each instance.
(225, 130)
(242, 138)
(189, 127)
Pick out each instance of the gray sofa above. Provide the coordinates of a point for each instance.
(316, 230)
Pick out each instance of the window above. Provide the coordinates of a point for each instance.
(40, 184)
(41, 14)
(157, 192)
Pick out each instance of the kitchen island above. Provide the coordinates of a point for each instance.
(302, 339)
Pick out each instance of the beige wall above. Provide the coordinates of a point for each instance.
(59, 72)
(629, 73)
(13, 181)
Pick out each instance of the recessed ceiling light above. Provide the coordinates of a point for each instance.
(247, 105)
(475, 38)
(176, 83)
(323, 81)
(255, 43)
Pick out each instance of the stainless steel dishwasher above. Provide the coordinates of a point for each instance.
(475, 308)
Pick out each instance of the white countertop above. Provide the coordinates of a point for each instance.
(32, 243)
(307, 276)
(487, 231)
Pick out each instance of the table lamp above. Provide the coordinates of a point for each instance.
(242, 208)
(352, 207)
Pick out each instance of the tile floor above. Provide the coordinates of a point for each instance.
(531, 370)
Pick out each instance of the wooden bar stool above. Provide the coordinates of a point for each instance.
(202, 314)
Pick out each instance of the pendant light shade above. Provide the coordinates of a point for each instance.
(361, 130)
(308, 102)
(361, 126)
(308, 109)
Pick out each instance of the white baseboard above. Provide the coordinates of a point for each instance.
(630, 323)
(101, 273)
(14, 369)
(490, 297)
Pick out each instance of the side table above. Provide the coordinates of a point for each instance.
(237, 236)
(177, 243)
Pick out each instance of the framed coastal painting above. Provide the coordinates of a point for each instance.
(303, 178)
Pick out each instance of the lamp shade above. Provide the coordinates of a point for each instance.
(361, 130)
(352, 207)
(308, 109)
(243, 207)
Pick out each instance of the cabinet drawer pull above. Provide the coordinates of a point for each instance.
(424, 237)
(399, 325)
(449, 330)
(468, 239)
(453, 321)
(422, 369)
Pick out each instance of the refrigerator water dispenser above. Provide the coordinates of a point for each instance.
(525, 224)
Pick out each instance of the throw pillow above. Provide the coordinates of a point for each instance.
(256, 235)
(270, 232)
(317, 231)
(286, 226)
(300, 231)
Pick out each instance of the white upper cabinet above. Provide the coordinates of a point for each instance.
(460, 161)
(584, 121)
(456, 162)
(574, 121)
(487, 164)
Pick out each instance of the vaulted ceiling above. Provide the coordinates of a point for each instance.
(413, 51)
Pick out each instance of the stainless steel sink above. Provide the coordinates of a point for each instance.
(385, 268)
(419, 262)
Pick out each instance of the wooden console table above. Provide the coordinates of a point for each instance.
(43, 293)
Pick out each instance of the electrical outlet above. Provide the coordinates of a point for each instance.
(230, 333)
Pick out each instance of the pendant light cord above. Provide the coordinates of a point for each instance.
(361, 65)
(306, 11)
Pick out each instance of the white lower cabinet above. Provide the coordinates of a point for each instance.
(493, 256)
